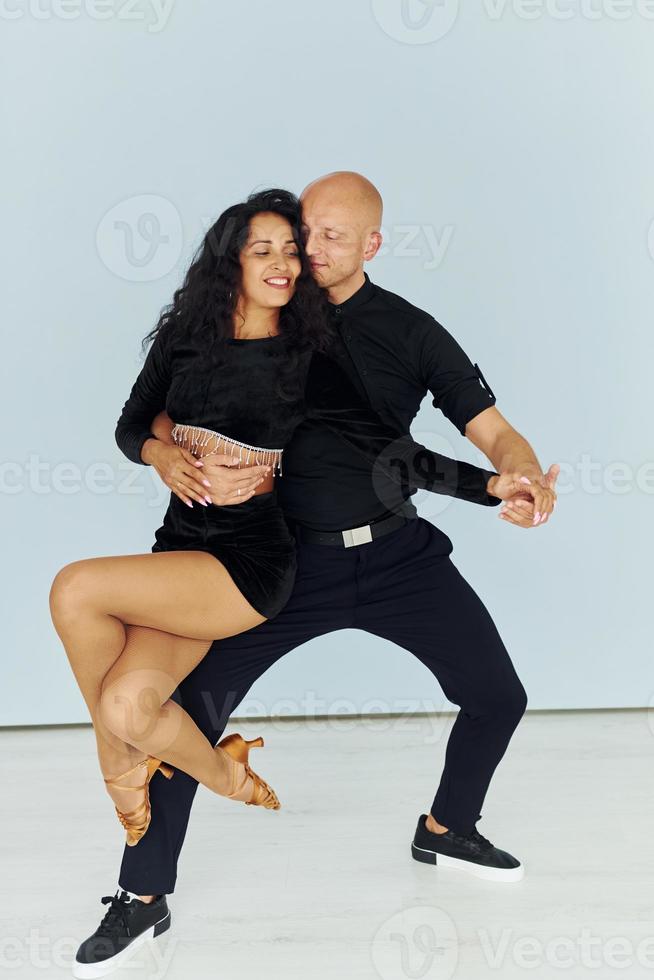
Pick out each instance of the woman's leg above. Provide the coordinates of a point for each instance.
(187, 598)
(135, 705)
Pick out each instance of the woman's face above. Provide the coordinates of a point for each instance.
(270, 262)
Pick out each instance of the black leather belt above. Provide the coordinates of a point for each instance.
(353, 536)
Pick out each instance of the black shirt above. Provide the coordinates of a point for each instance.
(348, 464)
(395, 353)
(234, 392)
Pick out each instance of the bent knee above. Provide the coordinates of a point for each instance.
(518, 701)
(506, 705)
(513, 702)
(69, 588)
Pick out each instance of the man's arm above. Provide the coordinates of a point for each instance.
(331, 398)
(162, 427)
(464, 396)
(496, 438)
(461, 392)
(510, 452)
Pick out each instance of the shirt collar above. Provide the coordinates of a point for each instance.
(361, 296)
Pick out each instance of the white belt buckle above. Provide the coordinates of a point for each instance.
(357, 535)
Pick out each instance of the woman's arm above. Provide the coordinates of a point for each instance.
(147, 398)
(331, 397)
(144, 427)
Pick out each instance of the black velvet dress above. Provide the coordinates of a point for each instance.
(257, 393)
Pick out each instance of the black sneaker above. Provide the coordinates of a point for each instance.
(128, 923)
(467, 852)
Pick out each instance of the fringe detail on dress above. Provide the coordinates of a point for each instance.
(195, 438)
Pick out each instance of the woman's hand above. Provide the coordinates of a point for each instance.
(529, 502)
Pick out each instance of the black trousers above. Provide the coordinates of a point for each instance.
(402, 586)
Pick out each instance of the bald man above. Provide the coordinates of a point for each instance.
(367, 560)
(342, 215)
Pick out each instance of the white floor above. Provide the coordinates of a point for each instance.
(326, 886)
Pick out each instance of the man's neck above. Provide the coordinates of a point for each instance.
(343, 290)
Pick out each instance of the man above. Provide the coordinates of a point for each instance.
(370, 533)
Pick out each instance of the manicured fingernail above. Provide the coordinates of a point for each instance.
(536, 517)
(208, 500)
(206, 483)
(188, 503)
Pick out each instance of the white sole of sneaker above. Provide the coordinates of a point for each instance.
(89, 971)
(478, 870)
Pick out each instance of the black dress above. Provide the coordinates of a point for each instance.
(256, 394)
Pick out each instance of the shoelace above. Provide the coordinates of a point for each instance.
(116, 914)
(483, 843)
(476, 838)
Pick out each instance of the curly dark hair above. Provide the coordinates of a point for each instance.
(204, 305)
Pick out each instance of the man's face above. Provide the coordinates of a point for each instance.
(334, 241)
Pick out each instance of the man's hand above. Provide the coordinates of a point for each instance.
(529, 503)
(231, 486)
(178, 469)
(176, 466)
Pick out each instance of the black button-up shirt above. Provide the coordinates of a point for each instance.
(394, 353)
(345, 463)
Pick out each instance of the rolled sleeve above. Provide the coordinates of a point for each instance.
(458, 386)
(331, 399)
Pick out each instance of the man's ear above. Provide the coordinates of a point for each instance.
(374, 243)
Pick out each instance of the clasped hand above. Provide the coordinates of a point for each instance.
(210, 480)
(529, 502)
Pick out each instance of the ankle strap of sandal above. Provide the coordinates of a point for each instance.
(110, 779)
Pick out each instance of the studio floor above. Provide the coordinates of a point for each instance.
(326, 887)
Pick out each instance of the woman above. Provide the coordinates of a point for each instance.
(229, 364)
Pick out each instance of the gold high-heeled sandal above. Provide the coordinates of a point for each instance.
(137, 821)
(238, 748)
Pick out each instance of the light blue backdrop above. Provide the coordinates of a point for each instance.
(513, 148)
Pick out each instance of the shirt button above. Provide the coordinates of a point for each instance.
(337, 310)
